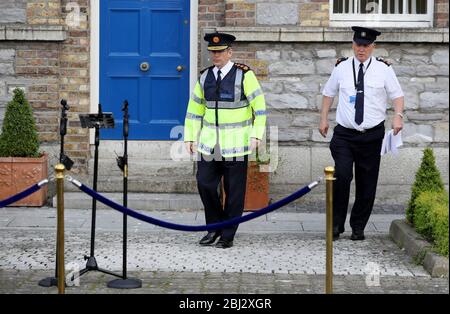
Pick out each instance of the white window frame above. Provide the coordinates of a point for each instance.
(383, 20)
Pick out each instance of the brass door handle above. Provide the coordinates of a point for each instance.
(179, 68)
(144, 66)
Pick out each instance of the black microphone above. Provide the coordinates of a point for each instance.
(64, 104)
(125, 118)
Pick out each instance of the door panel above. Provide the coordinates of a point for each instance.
(153, 32)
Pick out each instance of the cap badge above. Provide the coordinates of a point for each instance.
(363, 34)
(216, 39)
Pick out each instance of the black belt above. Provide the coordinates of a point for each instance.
(377, 127)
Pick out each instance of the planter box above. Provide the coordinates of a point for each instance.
(257, 190)
(18, 174)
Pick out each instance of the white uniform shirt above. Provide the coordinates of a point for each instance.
(380, 82)
(224, 71)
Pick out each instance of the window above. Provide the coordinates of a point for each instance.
(382, 13)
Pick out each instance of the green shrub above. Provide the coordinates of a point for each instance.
(439, 220)
(19, 136)
(424, 206)
(431, 218)
(428, 178)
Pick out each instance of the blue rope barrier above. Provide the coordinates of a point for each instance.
(23, 194)
(210, 227)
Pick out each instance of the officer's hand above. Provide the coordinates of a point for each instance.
(191, 147)
(254, 143)
(323, 127)
(397, 124)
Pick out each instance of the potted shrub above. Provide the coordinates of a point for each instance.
(257, 185)
(21, 163)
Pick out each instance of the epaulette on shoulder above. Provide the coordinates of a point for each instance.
(243, 67)
(340, 60)
(210, 67)
(388, 63)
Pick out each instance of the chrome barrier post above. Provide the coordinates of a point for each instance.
(329, 178)
(59, 168)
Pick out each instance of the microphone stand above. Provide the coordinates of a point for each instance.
(122, 162)
(97, 121)
(68, 163)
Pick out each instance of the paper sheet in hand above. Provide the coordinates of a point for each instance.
(391, 142)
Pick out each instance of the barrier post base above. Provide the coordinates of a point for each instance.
(48, 282)
(129, 283)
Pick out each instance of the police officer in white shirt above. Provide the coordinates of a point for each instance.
(363, 83)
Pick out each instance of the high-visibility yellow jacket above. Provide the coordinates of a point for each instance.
(229, 116)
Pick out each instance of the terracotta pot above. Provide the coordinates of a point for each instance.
(18, 174)
(257, 188)
(257, 191)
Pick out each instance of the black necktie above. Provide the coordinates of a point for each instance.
(219, 79)
(359, 103)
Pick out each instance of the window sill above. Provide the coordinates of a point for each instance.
(329, 34)
(23, 32)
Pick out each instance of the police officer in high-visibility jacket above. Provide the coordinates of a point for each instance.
(225, 121)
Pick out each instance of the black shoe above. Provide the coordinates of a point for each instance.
(357, 236)
(210, 238)
(336, 232)
(224, 244)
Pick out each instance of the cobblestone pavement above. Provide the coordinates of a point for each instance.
(279, 253)
(17, 281)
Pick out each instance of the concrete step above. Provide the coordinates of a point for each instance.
(150, 150)
(137, 201)
(143, 167)
(141, 184)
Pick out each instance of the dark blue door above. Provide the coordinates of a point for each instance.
(144, 58)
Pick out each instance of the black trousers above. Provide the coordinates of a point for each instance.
(234, 172)
(362, 150)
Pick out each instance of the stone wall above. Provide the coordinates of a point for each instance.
(47, 55)
(292, 77)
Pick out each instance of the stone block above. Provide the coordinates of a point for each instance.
(274, 87)
(302, 86)
(326, 53)
(293, 166)
(286, 101)
(325, 66)
(440, 56)
(441, 132)
(320, 158)
(306, 119)
(417, 133)
(6, 68)
(291, 67)
(7, 55)
(293, 135)
(433, 100)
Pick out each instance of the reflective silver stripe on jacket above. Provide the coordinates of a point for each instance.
(235, 150)
(198, 100)
(205, 148)
(238, 85)
(203, 79)
(260, 113)
(227, 104)
(229, 125)
(255, 94)
(193, 116)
